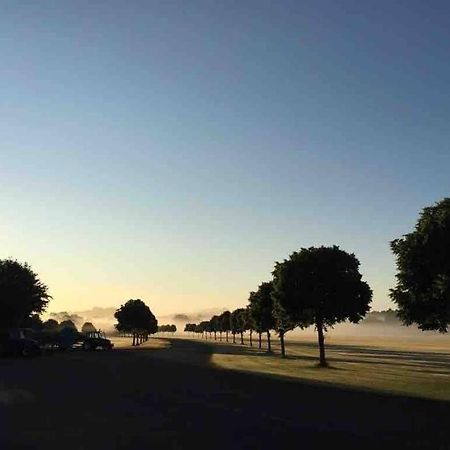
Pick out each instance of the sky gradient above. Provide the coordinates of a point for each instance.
(173, 151)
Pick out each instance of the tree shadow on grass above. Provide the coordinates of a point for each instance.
(432, 363)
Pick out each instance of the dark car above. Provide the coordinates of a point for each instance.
(14, 343)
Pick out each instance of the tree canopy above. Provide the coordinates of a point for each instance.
(422, 292)
(67, 324)
(51, 325)
(21, 293)
(135, 317)
(88, 327)
(261, 308)
(321, 286)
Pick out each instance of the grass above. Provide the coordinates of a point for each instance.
(387, 366)
(125, 343)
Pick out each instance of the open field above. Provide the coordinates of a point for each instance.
(167, 394)
(415, 368)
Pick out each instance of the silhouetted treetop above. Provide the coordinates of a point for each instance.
(422, 293)
(21, 293)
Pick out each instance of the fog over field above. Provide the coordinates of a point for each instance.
(379, 325)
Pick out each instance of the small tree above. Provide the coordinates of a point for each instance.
(135, 317)
(261, 311)
(321, 286)
(239, 323)
(21, 293)
(190, 327)
(283, 324)
(67, 324)
(203, 328)
(88, 327)
(51, 326)
(214, 324)
(422, 293)
(225, 323)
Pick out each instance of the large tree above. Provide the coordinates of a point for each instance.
(22, 294)
(135, 317)
(321, 286)
(261, 311)
(422, 293)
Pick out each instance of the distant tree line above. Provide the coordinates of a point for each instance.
(322, 286)
(319, 286)
(167, 328)
(388, 317)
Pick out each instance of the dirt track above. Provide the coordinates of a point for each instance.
(171, 398)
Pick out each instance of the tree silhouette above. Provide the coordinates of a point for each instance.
(261, 311)
(225, 323)
(321, 286)
(67, 324)
(239, 323)
(422, 293)
(283, 324)
(135, 317)
(202, 328)
(88, 327)
(21, 293)
(190, 327)
(214, 324)
(51, 325)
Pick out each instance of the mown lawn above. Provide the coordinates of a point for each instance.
(394, 367)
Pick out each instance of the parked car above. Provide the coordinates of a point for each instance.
(13, 342)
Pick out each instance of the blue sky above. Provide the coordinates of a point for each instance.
(172, 151)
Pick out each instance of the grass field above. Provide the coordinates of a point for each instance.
(173, 394)
(415, 368)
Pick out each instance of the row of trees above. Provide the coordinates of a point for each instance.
(167, 329)
(315, 286)
(52, 325)
(322, 286)
(135, 318)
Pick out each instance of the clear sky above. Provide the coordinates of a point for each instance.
(173, 150)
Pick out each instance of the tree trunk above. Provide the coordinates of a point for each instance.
(234, 338)
(242, 338)
(319, 325)
(226, 335)
(251, 342)
(283, 350)
(220, 336)
(259, 340)
(269, 346)
(215, 335)
(134, 339)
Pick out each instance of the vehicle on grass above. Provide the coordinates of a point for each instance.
(96, 340)
(13, 342)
